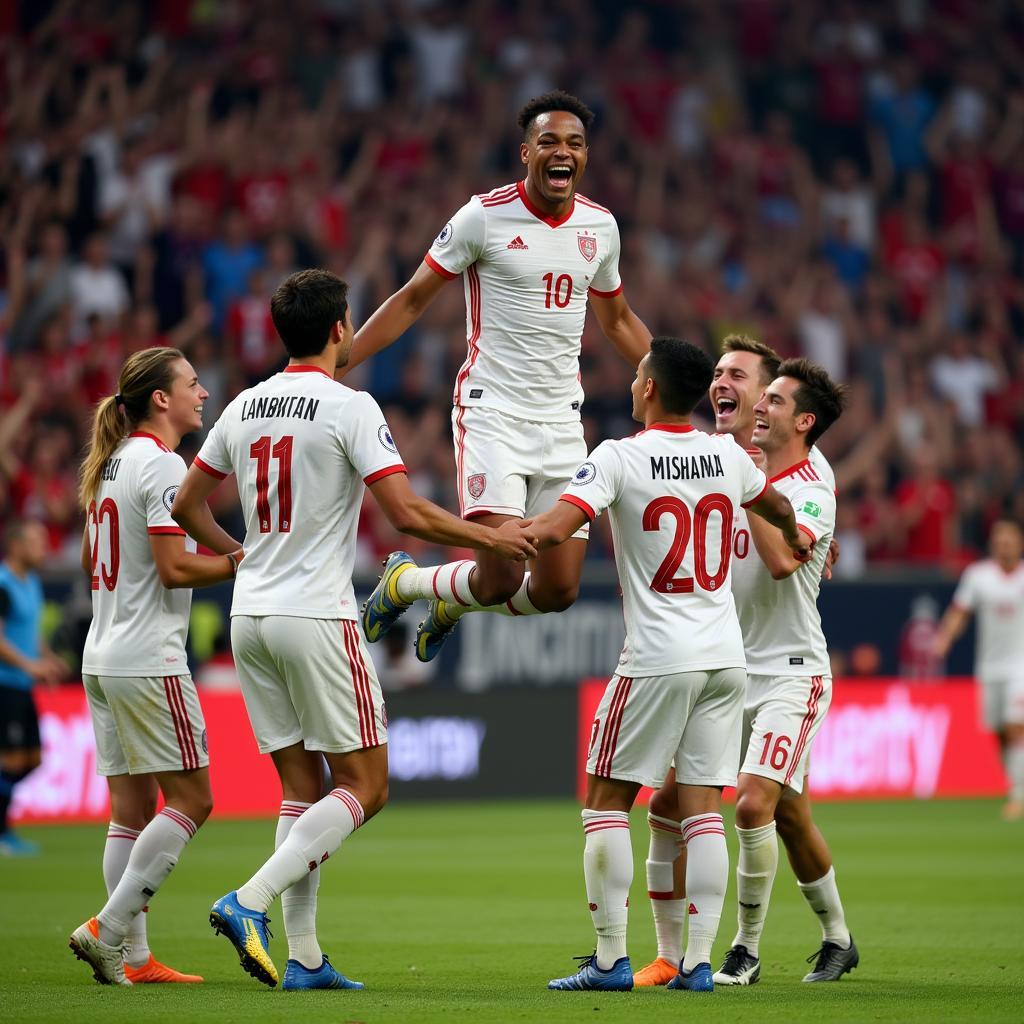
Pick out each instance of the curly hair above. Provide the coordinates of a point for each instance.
(556, 100)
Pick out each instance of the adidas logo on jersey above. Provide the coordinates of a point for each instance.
(517, 243)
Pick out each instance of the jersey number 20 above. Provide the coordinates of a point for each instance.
(665, 580)
(261, 451)
(107, 512)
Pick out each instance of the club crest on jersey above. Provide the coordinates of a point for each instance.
(169, 495)
(811, 509)
(584, 474)
(446, 235)
(588, 246)
(385, 438)
(476, 484)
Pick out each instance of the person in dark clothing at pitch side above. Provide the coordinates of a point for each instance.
(24, 660)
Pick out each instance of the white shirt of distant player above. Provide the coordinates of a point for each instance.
(997, 598)
(301, 447)
(781, 625)
(138, 625)
(672, 494)
(527, 277)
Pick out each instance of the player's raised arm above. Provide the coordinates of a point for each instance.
(409, 513)
(621, 326)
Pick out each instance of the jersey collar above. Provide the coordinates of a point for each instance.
(304, 368)
(156, 440)
(670, 428)
(551, 222)
(802, 464)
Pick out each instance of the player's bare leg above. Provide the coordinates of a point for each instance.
(608, 871)
(1012, 744)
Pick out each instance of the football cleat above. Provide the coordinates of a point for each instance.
(590, 977)
(247, 931)
(384, 607)
(152, 972)
(658, 972)
(832, 961)
(697, 980)
(13, 845)
(433, 631)
(297, 976)
(107, 962)
(739, 968)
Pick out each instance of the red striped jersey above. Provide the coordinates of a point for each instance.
(138, 625)
(301, 446)
(526, 278)
(781, 625)
(672, 494)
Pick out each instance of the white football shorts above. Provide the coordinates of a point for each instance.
(1001, 700)
(641, 725)
(513, 467)
(781, 717)
(146, 724)
(308, 680)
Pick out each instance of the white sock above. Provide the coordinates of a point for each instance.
(608, 872)
(823, 898)
(436, 581)
(312, 839)
(755, 875)
(298, 904)
(707, 875)
(116, 851)
(669, 914)
(152, 859)
(1015, 770)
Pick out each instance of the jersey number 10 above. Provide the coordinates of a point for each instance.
(261, 451)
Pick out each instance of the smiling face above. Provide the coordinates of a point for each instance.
(776, 421)
(555, 154)
(735, 389)
(184, 399)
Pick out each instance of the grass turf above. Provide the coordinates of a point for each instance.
(462, 913)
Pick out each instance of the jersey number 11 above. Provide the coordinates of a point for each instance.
(262, 451)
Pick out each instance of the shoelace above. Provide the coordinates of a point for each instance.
(821, 955)
(586, 961)
(734, 960)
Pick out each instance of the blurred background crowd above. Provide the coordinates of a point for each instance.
(842, 180)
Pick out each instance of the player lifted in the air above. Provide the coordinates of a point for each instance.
(672, 494)
(531, 254)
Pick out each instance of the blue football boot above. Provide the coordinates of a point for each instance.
(384, 607)
(248, 932)
(590, 977)
(297, 977)
(697, 980)
(434, 630)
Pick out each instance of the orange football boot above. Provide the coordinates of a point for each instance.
(658, 972)
(152, 972)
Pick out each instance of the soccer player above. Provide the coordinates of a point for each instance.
(145, 711)
(994, 590)
(302, 446)
(24, 660)
(672, 494)
(531, 255)
(745, 369)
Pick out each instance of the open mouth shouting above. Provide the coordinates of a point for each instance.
(559, 177)
(725, 410)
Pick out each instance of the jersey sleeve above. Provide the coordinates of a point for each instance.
(753, 482)
(214, 457)
(366, 440)
(460, 243)
(966, 595)
(597, 482)
(814, 504)
(606, 281)
(159, 481)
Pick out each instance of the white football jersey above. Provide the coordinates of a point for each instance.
(301, 446)
(781, 626)
(527, 277)
(672, 493)
(997, 598)
(138, 625)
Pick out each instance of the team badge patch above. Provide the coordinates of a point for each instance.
(476, 484)
(584, 474)
(384, 436)
(588, 246)
(169, 495)
(811, 509)
(446, 235)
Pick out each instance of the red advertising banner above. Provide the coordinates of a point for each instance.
(882, 738)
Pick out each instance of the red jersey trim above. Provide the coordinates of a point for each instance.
(796, 470)
(754, 501)
(671, 428)
(552, 222)
(207, 468)
(800, 526)
(594, 206)
(498, 195)
(175, 531)
(305, 368)
(156, 440)
(381, 473)
(605, 295)
(580, 504)
(438, 269)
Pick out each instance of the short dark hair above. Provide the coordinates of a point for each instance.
(305, 307)
(817, 394)
(682, 373)
(770, 359)
(555, 100)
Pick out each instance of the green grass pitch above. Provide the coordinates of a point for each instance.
(462, 913)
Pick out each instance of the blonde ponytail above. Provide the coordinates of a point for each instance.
(146, 371)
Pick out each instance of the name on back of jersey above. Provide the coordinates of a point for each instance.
(267, 407)
(685, 467)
